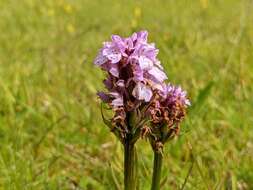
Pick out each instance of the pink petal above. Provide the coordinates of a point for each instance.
(142, 92)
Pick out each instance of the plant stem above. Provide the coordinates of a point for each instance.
(157, 167)
(129, 166)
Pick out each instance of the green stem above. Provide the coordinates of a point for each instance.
(129, 166)
(157, 167)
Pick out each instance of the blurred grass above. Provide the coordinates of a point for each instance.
(51, 131)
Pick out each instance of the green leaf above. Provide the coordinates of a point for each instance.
(106, 121)
(202, 97)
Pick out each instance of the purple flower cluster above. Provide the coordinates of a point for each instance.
(133, 70)
(166, 110)
(169, 106)
(135, 83)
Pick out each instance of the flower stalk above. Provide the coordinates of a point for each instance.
(130, 161)
(157, 169)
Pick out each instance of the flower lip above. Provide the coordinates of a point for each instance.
(142, 92)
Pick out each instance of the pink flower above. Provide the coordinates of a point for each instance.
(132, 61)
(142, 92)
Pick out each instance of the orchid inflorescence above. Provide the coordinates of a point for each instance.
(142, 103)
(135, 84)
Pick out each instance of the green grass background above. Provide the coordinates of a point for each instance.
(51, 132)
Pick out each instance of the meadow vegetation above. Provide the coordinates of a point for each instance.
(51, 132)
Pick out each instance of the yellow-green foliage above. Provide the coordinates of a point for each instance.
(51, 131)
